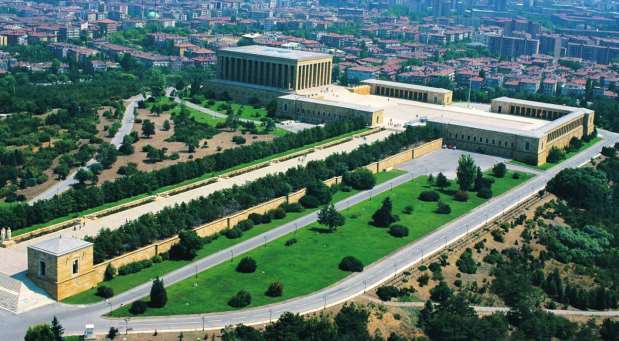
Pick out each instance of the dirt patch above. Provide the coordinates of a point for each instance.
(220, 142)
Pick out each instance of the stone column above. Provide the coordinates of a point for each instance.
(2, 235)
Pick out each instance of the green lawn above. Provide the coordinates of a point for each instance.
(246, 111)
(123, 283)
(186, 182)
(568, 155)
(312, 263)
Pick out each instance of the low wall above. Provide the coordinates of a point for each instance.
(92, 278)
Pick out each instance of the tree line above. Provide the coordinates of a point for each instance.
(171, 220)
(82, 198)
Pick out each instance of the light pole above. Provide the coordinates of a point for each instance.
(325, 302)
(203, 322)
(109, 304)
(265, 240)
(231, 256)
(365, 286)
(126, 325)
(270, 315)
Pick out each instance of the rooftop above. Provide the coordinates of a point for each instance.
(406, 86)
(60, 246)
(274, 52)
(564, 108)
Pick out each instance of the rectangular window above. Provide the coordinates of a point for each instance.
(42, 268)
(76, 267)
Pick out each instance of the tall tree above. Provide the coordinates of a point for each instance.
(57, 329)
(383, 217)
(148, 128)
(330, 217)
(158, 294)
(467, 171)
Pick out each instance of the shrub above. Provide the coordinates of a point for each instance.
(398, 231)
(110, 272)
(309, 201)
(188, 247)
(443, 208)
(408, 209)
(345, 188)
(555, 155)
(499, 170)
(441, 181)
(266, 218)
(245, 225)
(484, 193)
(350, 263)
(429, 196)
(296, 207)
(240, 300)
(386, 293)
(516, 175)
(256, 218)
(461, 196)
(134, 267)
(320, 191)
(246, 265)
(275, 289)
(158, 294)
(233, 233)
(423, 280)
(383, 217)
(440, 293)
(609, 151)
(277, 213)
(466, 263)
(239, 139)
(138, 307)
(291, 241)
(498, 235)
(105, 291)
(458, 283)
(361, 179)
(422, 268)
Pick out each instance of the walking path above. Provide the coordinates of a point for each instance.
(18, 253)
(74, 318)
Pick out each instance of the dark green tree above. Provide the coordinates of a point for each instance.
(158, 294)
(466, 172)
(383, 217)
(330, 217)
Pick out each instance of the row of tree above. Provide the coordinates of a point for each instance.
(82, 198)
(171, 220)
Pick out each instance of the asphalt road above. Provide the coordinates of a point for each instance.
(117, 140)
(74, 318)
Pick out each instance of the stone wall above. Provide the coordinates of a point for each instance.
(91, 278)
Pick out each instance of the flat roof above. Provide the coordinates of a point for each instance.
(274, 52)
(332, 103)
(541, 104)
(60, 246)
(401, 110)
(406, 86)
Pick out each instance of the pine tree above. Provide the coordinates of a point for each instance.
(158, 294)
(330, 217)
(57, 329)
(383, 217)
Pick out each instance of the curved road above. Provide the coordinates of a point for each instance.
(117, 140)
(74, 318)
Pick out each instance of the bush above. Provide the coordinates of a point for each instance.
(398, 231)
(555, 155)
(189, 245)
(275, 289)
(158, 294)
(320, 191)
(484, 193)
(110, 272)
(441, 181)
(246, 265)
(157, 259)
(429, 196)
(245, 225)
(350, 263)
(408, 209)
(233, 233)
(361, 179)
(466, 263)
(266, 218)
(443, 208)
(105, 291)
(134, 267)
(138, 307)
(239, 139)
(277, 213)
(296, 207)
(345, 188)
(516, 175)
(461, 196)
(609, 151)
(256, 218)
(499, 170)
(423, 280)
(309, 201)
(386, 293)
(240, 300)
(291, 241)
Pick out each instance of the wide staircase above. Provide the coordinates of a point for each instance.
(20, 294)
